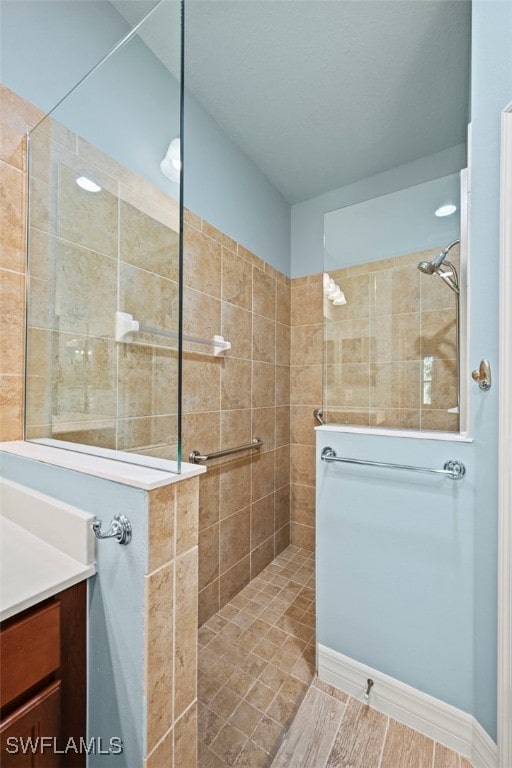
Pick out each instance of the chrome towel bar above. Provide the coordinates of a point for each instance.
(195, 457)
(453, 468)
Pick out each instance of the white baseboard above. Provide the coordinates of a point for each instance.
(450, 726)
(484, 752)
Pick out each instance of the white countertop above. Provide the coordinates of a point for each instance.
(32, 570)
(46, 546)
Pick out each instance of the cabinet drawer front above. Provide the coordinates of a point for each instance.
(30, 650)
(29, 735)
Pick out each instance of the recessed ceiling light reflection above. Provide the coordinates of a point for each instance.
(88, 184)
(171, 164)
(446, 210)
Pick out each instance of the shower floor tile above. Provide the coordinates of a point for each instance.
(256, 663)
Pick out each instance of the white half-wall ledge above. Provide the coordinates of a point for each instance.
(414, 434)
(143, 472)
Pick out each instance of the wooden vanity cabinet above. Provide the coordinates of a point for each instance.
(43, 683)
(39, 716)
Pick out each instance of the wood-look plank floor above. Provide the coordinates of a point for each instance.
(332, 730)
(323, 714)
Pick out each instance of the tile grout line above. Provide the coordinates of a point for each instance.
(340, 725)
(293, 562)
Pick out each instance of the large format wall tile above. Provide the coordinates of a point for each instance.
(201, 314)
(12, 211)
(12, 301)
(235, 425)
(16, 116)
(170, 624)
(159, 647)
(235, 540)
(263, 294)
(11, 407)
(306, 394)
(234, 537)
(237, 326)
(202, 263)
(76, 239)
(236, 391)
(147, 243)
(151, 299)
(233, 580)
(185, 640)
(85, 288)
(236, 281)
(142, 370)
(86, 218)
(390, 352)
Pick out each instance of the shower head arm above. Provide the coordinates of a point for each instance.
(441, 257)
(450, 246)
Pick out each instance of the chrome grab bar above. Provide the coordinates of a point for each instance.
(195, 457)
(453, 468)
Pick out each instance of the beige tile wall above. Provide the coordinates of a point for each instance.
(244, 501)
(390, 351)
(306, 376)
(93, 253)
(15, 116)
(170, 640)
(373, 352)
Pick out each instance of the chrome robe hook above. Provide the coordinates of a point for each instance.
(120, 529)
(483, 375)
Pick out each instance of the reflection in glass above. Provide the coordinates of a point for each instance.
(391, 353)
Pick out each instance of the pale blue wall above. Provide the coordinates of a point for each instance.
(457, 549)
(45, 46)
(401, 222)
(307, 218)
(130, 110)
(491, 93)
(395, 562)
(115, 642)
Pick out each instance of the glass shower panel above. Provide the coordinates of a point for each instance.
(391, 330)
(103, 246)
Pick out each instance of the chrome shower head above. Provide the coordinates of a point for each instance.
(426, 267)
(434, 267)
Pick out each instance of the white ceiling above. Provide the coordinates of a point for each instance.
(322, 93)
